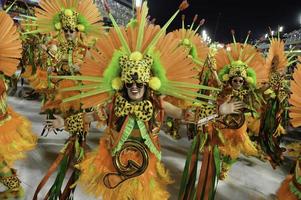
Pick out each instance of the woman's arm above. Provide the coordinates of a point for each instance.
(225, 108)
(98, 115)
(172, 111)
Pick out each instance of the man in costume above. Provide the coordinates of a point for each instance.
(15, 131)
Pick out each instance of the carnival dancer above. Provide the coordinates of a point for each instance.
(274, 109)
(133, 68)
(291, 186)
(198, 51)
(71, 23)
(15, 131)
(237, 69)
(241, 69)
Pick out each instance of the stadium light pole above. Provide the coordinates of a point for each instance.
(138, 3)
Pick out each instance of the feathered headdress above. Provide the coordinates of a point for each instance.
(76, 15)
(295, 98)
(193, 42)
(142, 53)
(244, 60)
(277, 59)
(10, 45)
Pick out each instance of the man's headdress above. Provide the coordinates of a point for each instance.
(141, 53)
(242, 60)
(74, 15)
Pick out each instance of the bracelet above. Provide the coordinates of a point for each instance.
(207, 113)
(205, 120)
(11, 182)
(207, 110)
(74, 124)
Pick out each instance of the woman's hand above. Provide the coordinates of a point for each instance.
(43, 47)
(56, 123)
(89, 117)
(229, 107)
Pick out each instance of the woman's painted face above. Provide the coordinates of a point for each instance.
(69, 34)
(237, 82)
(135, 91)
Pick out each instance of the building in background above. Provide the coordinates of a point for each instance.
(121, 10)
(292, 41)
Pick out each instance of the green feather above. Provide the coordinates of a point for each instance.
(193, 52)
(82, 87)
(55, 190)
(291, 62)
(203, 141)
(28, 17)
(189, 85)
(132, 24)
(141, 27)
(295, 190)
(245, 44)
(113, 70)
(194, 150)
(250, 58)
(120, 34)
(31, 32)
(197, 61)
(82, 20)
(87, 94)
(29, 24)
(158, 69)
(160, 33)
(80, 78)
(251, 73)
(190, 93)
(180, 96)
(217, 162)
(222, 72)
(8, 9)
(56, 19)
